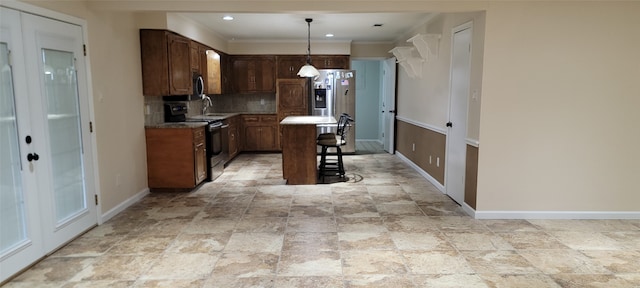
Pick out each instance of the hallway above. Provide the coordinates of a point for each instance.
(387, 227)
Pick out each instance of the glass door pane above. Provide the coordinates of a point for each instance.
(12, 212)
(63, 115)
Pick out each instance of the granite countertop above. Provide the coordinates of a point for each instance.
(213, 116)
(178, 125)
(204, 119)
(308, 120)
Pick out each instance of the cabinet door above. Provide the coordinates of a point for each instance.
(265, 75)
(268, 138)
(252, 138)
(330, 61)
(292, 95)
(195, 56)
(180, 76)
(243, 75)
(288, 66)
(210, 66)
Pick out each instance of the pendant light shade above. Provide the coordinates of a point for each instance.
(308, 70)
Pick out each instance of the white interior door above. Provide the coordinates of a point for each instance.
(20, 232)
(457, 126)
(50, 196)
(388, 104)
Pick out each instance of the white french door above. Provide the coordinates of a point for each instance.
(45, 149)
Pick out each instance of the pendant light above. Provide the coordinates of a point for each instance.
(308, 70)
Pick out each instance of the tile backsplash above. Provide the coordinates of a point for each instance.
(227, 103)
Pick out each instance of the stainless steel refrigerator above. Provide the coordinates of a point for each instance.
(334, 93)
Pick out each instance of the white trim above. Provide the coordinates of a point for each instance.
(556, 215)
(123, 205)
(370, 140)
(421, 172)
(468, 209)
(473, 142)
(423, 125)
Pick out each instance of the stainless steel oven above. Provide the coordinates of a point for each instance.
(216, 137)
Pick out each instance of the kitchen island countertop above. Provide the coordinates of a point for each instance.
(308, 120)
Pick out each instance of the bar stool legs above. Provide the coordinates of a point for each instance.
(331, 167)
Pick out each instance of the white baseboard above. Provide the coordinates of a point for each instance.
(421, 172)
(124, 205)
(597, 215)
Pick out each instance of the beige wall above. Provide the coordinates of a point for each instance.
(559, 123)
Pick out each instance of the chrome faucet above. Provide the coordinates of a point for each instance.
(206, 103)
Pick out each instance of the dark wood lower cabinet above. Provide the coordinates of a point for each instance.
(260, 133)
(176, 157)
(299, 156)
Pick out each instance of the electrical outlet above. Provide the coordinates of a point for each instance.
(413, 147)
(429, 159)
(261, 101)
(438, 162)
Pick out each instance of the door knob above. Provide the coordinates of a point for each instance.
(449, 124)
(32, 157)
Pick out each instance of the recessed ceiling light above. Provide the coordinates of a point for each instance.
(227, 18)
(328, 35)
(377, 25)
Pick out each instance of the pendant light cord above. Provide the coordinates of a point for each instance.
(308, 40)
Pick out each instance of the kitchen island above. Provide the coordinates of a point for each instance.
(299, 151)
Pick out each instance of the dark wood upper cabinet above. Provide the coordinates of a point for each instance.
(288, 66)
(166, 63)
(330, 61)
(253, 74)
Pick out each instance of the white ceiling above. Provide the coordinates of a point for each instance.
(356, 27)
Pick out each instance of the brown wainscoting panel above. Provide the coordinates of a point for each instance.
(427, 143)
(471, 176)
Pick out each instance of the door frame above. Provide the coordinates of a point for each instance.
(450, 144)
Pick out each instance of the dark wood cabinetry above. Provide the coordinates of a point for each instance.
(330, 61)
(288, 66)
(253, 74)
(234, 136)
(260, 133)
(195, 56)
(210, 69)
(176, 157)
(166, 65)
(292, 97)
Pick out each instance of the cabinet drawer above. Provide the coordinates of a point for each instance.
(268, 118)
(198, 134)
(259, 119)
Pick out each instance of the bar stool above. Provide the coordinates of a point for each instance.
(333, 167)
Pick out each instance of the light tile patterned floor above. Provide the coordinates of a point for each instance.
(385, 227)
